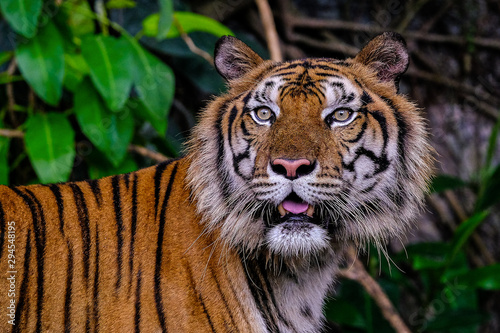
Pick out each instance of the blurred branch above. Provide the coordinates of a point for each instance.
(9, 90)
(357, 272)
(191, 45)
(273, 43)
(10, 133)
(413, 8)
(313, 23)
(147, 153)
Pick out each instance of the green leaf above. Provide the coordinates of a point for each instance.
(487, 277)
(109, 61)
(110, 132)
(50, 143)
(490, 193)
(456, 320)
(155, 84)
(99, 167)
(75, 70)
(343, 312)
(120, 4)
(464, 231)
(5, 56)
(492, 144)
(22, 15)
(166, 18)
(41, 61)
(189, 22)
(441, 183)
(80, 17)
(4, 164)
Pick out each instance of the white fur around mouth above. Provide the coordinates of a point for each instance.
(309, 211)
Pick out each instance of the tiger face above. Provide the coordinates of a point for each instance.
(303, 157)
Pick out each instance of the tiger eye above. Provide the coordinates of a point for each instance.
(342, 115)
(264, 114)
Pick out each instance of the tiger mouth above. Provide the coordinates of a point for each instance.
(293, 205)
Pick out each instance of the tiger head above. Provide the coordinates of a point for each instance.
(302, 157)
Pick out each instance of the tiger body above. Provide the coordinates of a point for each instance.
(244, 234)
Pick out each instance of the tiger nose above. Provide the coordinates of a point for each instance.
(292, 169)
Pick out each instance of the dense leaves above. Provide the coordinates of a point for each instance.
(41, 61)
(95, 89)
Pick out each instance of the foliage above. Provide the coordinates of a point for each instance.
(94, 86)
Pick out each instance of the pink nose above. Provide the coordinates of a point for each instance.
(292, 168)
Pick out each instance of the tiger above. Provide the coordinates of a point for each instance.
(295, 162)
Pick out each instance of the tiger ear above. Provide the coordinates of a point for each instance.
(387, 55)
(233, 58)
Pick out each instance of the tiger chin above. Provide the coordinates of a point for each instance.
(298, 160)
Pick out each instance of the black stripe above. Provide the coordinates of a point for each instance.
(126, 178)
(226, 305)
(402, 132)
(3, 232)
(60, 205)
(379, 117)
(95, 312)
(159, 253)
(133, 227)
(96, 189)
(256, 288)
(39, 225)
(117, 206)
(220, 155)
(232, 117)
(137, 316)
(199, 296)
(360, 134)
(87, 322)
(157, 179)
(69, 291)
(243, 311)
(83, 219)
(269, 289)
(24, 284)
(365, 98)
(158, 173)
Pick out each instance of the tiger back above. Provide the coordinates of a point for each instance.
(297, 161)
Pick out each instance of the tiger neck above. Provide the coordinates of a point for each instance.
(291, 299)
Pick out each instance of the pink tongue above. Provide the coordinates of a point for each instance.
(295, 207)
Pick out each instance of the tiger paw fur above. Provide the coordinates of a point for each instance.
(295, 162)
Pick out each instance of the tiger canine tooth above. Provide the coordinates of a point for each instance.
(281, 210)
(310, 211)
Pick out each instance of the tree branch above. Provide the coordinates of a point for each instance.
(273, 43)
(357, 272)
(312, 23)
(9, 90)
(147, 153)
(10, 133)
(191, 45)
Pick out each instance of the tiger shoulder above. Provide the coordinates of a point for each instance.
(297, 161)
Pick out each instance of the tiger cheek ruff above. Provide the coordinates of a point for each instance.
(244, 234)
